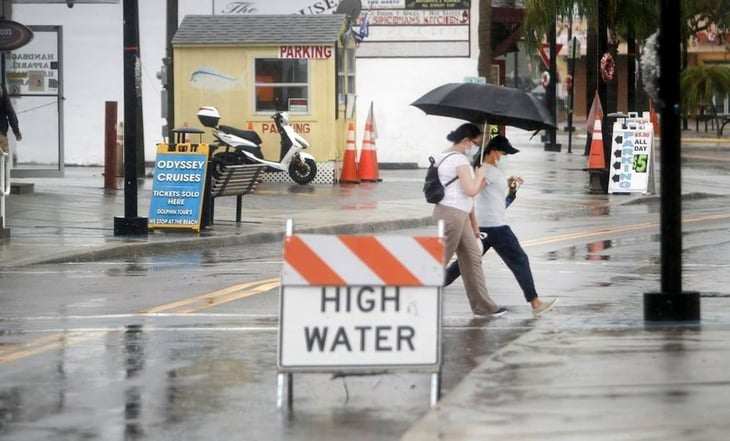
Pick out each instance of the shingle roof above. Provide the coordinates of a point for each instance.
(258, 29)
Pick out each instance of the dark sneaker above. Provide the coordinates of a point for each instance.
(545, 307)
(498, 313)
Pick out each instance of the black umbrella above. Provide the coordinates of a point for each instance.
(488, 104)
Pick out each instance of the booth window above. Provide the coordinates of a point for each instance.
(345, 73)
(282, 80)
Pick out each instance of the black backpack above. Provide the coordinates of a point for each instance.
(432, 187)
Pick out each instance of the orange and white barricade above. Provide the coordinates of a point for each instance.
(360, 303)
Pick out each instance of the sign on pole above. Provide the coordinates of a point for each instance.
(178, 186)
(632, 146)
(360, 303)
(545, 56)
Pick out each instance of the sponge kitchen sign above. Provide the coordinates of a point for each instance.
(13, 35)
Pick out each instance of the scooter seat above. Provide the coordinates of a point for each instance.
(249, 135)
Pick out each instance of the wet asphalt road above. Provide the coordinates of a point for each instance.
(114, 350)
(159, 347)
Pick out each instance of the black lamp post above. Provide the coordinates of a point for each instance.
(671, 303)
(130, 224)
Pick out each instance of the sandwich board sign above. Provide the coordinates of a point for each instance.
(360, 303)
(631, 168)
(178, 186)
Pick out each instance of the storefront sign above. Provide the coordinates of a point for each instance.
(13, 35)
(397, 28)
(33, 68)
(308, 52)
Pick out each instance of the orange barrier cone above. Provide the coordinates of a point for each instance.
(596, 161)
(250, 126)
(596, 158)
(367, 169)
(349, 166)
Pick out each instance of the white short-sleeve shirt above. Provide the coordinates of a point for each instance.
(490, 207)
(454, 195)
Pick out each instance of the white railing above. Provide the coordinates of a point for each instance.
(4, 185)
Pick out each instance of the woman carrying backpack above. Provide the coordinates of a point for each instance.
(456, 209)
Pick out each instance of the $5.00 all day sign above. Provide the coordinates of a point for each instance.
(631, 156)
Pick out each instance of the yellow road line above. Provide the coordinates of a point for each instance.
(243, 290)
(207, 298)
(614, 230)
(35, 342)
(219, 300)
(585, 234)
(193, 304)
(55, 341)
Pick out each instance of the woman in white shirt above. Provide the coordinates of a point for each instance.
(456, 209)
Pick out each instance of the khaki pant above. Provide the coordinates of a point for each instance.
(4, 143)
(459, 238)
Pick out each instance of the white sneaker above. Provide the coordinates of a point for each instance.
(537, 312)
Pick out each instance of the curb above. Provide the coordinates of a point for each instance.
(149, 248)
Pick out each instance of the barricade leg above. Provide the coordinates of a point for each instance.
(435, 388)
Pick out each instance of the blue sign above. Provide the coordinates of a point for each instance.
(178, 186)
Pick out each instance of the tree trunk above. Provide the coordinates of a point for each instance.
(484, 62)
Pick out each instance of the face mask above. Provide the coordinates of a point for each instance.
(472, 151)
(503, 160)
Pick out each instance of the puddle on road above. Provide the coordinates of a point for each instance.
(604, 250)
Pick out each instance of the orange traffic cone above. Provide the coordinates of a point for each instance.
(250, 126)
(349, 166)
(367, 169)
(596, 161)
(596, 158)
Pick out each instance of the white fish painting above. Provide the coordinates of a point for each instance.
(208, 78)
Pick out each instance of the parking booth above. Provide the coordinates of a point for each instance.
(250, 66)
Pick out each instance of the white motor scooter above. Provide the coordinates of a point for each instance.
(237, 146)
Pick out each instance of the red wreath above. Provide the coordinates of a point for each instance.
(608, 67)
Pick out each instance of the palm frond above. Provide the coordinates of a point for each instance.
(698, 84)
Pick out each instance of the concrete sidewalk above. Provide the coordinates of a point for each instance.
(72, 218)
(582, 372)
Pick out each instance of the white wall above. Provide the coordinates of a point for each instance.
(93, 74)
(405, 133)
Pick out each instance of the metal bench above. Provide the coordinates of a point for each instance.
(722, 119)
(717, 121)
(233, 180)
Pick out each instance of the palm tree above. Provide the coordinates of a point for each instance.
(699, 84)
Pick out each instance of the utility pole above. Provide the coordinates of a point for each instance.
(671, 303)
(550, 99)
(172, 13)
(131, 224)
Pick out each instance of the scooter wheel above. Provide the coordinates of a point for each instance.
(303, 171)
